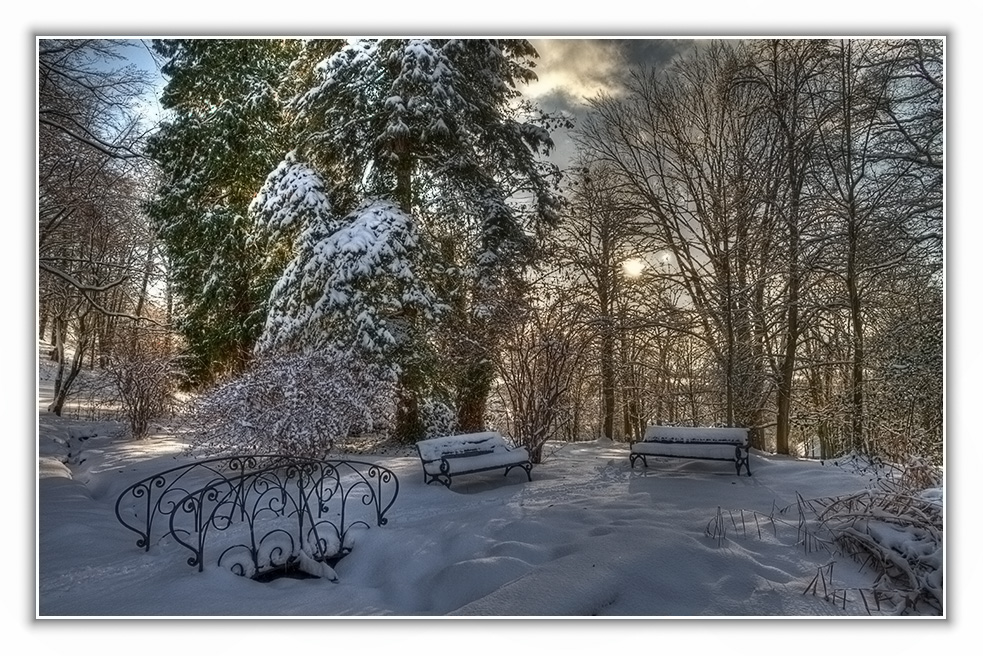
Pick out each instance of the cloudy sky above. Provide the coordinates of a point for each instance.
(570, 70)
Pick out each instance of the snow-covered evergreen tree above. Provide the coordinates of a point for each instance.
(224, 132)
(351, 282)
(435, 127)
(423, 121)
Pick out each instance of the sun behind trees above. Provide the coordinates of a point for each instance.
(796, 185)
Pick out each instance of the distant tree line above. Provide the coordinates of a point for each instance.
(100, 301)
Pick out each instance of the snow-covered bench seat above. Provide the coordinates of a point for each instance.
(446, 457)
(698, 443)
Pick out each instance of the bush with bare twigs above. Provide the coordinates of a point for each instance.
(291, 403)
(538, 368)
(143, 374)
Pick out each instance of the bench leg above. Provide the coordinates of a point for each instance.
(742, 458)
(525, 466)
(635, 456)
(439, 478)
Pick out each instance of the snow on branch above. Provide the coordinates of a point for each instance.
(350, 287)
(293, 194)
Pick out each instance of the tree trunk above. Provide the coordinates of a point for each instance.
(788, 367)
(145, 282)
(409, 426)
(857, 338)
(607, 379)
(42, 321)
(63, 383)
(473, 388)
(58, 355)
(796, 181)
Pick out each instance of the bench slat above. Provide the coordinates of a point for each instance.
(439, 447)
(690, 434)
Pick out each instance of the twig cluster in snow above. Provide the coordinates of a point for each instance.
(896, 532)
(143, 371)
(293, 403)
(914, 475)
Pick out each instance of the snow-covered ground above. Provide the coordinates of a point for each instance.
(587, 537)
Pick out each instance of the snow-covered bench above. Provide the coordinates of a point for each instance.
(699, 443)
(446, 457)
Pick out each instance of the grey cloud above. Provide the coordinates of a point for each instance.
(572, 70)
(657, 53)
(582, 68)
(561, 100)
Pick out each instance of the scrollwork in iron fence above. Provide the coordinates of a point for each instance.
(140, 504)
(272, 513)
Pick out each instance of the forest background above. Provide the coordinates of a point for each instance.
(951, 260)
(750, 233)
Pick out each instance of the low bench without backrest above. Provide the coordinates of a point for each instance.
(445, 457)
(729, 444)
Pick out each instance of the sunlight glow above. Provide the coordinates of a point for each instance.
(633, 267)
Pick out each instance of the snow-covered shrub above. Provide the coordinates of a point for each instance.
(895, 528)
(907, 478)
(439, 419)
(143, 372)
(898, 535)
(293, 403)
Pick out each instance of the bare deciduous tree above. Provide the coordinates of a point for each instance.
(539, 365)
(96, 258)
(796, 186)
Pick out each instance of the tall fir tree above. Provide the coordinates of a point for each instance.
(350, 280)
(436, 128)
(224, 133)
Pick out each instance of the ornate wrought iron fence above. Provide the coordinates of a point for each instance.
(261, 513)
(139, 505)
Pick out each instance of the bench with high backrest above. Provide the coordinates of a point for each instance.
(730, 444)
(446, 457)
